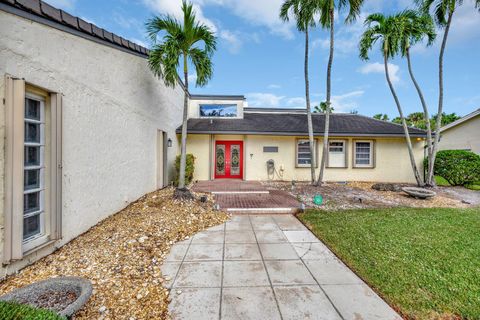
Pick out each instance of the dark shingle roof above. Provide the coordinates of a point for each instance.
(296, 124)
(43, 10)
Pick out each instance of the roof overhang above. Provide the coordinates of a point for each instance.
(296, 134)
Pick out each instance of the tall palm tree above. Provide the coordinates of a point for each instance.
(388, 29)
(303, 12)
(327, 21)
(416, 28)
(443, 14)
(195, 43)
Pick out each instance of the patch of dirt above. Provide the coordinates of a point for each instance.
(360, 195)
(122, 256)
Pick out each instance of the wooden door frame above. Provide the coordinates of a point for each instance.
(228, 144)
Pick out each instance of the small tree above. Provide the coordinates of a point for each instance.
(458, 167)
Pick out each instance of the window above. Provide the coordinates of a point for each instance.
(363, 154)
(32, 169)
(218, 110)
(304, 157)
(336, 154)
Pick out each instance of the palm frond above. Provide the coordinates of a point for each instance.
(203, 65)
(167, 24)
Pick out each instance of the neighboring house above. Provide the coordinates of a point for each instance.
(58, 71)
(230, 140)
(463, 134)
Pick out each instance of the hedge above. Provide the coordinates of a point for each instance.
(189, 169)
(458, 167)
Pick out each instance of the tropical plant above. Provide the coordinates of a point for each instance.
(189, 168)
(322, 108)
(458, 167)
(381, 116)
(304, 12)
(192, 41)
(443, 11)
(327, 21)
(417, 120)
(387, 30)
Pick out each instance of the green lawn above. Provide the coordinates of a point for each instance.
(424, 262)
(440, 181)
(15, 311)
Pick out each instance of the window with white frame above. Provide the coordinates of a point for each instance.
(336, 154)
(33, 162)
(34, 167)
(304, 157)
(363, 154)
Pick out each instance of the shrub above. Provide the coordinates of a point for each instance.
(189, 169)
(458, 167)
(15, 311)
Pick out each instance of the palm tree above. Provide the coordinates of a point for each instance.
(304, 14)
(195, 43)
(388, 29)
(327, 20)
(416, 28)
(443, 13)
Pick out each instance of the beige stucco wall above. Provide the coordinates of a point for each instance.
(465, 136)
(112, 109)
(392, 162)
(194, 106)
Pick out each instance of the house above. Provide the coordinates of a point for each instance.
(85, 128)
(463, 134)
(231, 140)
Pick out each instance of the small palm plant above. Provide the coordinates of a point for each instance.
(304, 12)
(327, 21)
(195, 43)
(443, 14)
(388, 30)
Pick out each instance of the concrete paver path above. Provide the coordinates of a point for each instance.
(265, 267)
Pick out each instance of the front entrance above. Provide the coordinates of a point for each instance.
(228, 160)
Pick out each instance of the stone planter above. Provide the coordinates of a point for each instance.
(419, 192)
(64, 295)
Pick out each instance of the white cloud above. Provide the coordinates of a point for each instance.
(274, 86)
(264, 100)
(346, 102)
(232, 40)
(465, 24)
(62, 4)
(296, 102)
(376, 67)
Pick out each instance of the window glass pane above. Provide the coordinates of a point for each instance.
(32, 132)
(32, 156)
(362, 153)
(32, 109)
(218, 110)
(303, 153)
(31, 226)
(31, 179)
(31, 202)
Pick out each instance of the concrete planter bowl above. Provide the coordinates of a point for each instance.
(64, 295)
(419, 193)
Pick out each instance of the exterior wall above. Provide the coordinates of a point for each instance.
(194, 107)
(465, 136)
(112, 109)
(392, 162)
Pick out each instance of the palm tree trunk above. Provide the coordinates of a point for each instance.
(328, 98)
(183, 154)
(431, 163)
(309, 111)
(426, 115)
(404, 123)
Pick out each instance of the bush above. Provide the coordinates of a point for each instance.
(458, 167)
(15, 311)
(189, 169)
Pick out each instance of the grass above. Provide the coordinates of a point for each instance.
(440, 181)
(423, 262)
(15, 311)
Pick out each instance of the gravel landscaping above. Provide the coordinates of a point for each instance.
(123, 254)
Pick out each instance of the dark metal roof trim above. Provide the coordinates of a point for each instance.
(42, 12)
(216, 97)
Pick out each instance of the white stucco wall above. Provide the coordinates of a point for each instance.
(392, 163)
(194, 106)
(112, 109)
(465, 136)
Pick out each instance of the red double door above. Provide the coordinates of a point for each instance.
(228, 160)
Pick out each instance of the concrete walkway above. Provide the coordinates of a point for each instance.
(265, 267)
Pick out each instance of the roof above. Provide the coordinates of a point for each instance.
(292, 124)
(216, 97)
(42, 12)
(461, 120)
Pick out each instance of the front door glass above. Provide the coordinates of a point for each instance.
(220, 160)
(235, 162)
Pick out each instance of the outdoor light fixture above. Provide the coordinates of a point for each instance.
(169, 142)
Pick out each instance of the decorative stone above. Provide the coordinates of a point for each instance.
(419, 192)
(387, 187)
(40, 294)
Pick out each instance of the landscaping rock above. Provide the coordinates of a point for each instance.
(387, 187)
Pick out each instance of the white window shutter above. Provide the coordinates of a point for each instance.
(56, 161)
(15, 110)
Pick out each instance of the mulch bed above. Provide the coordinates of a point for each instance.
(122, 257)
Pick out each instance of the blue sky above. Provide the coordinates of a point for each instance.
(262, 58)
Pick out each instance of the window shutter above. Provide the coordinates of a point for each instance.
(56, 161)
(14, 111)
